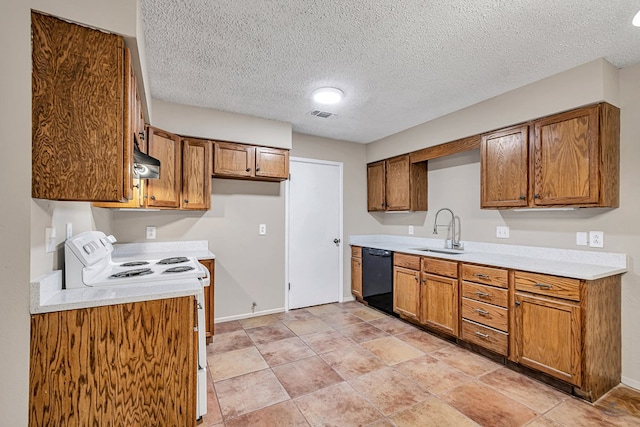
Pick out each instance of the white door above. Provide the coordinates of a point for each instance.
(315, 233)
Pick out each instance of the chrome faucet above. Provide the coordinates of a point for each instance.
(455, 243)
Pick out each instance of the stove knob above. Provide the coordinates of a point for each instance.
(111, 239)
(88, 248)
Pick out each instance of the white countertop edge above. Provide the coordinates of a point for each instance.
(148, 250)
(48, 296)
(586, 265)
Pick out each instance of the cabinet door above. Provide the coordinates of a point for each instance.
(398, 189)
(233, 160)
(566, 158)
(196, 174)
(406, 292)
(440, 303)
(272, 163)
(376, 186)
(79, 149)
(504, 166)
(165, 191)
(356, 277)
(547, 336)
(209, 299)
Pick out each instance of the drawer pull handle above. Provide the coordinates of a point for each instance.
(481, 335)
(482, 312)
(543, 286)
(483, 294)
(482, 276)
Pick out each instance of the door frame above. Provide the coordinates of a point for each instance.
(287, 234)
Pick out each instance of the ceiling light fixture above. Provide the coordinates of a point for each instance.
(328, 95)
(636, 20)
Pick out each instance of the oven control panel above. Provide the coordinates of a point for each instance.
(91, 246)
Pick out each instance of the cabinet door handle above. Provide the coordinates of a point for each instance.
(482, 312)
(517, 303)
(481, 335)
(424, 280)
(536, 196)
(186, 200)
(248, 169)
(153, 197)
(257, 169)
(416, 278)
(521, 197)
(482, 294)
(482, 276)
(543, 286)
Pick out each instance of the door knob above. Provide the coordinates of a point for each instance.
(337, 242)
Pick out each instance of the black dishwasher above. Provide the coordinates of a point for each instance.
(377, 279)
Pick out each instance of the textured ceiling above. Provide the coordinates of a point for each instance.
(400, 63)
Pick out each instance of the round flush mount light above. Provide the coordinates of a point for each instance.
(328, 95)
(636, 20)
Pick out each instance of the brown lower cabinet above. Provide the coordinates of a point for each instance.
(209, 299)
(567, 329)
(356, 272)
(129, 364)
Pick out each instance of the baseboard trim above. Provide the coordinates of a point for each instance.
(248, 315)
(347, 299)
(631, 383)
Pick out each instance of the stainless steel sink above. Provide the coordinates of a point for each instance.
(439, 251)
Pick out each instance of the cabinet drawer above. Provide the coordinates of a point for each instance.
(356, 251)
(440, 267)
(483, 336)
(487, 314)
(407, 261)
(487, 275)
(484, 293)
(554, 286)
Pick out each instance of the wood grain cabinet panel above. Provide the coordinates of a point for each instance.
(165, 191)
(128, 364)
(356, 277)
(81, 143)
(396, 184)
(406, 292)
(503, 168)
(209, 299)
(439, 302)
(483, 336)
(573, 159)
(196, 174)
(376, 175)
(241, 161)
(548, 336)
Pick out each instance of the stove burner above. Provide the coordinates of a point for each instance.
(132, 273)
(179, 269)
(174, 260)
(134, 263)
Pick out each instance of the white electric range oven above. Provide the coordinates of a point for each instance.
(88, 263)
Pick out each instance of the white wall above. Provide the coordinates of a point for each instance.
(206, 123)
(454, 181)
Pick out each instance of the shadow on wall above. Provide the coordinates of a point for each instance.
(233, 187)
(400, 218)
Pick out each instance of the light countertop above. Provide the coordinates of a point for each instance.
(587, 265)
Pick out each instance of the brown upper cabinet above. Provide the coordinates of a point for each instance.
(396, 184)
(185, 174)
(568, 159)
(242, 161)
(82, 143)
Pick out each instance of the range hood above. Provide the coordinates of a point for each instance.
(145, 166)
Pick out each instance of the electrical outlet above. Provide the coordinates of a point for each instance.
(151, 232)
(596, 239)
(262, 229)
(581, 238)
(502, 232)
(411, 229)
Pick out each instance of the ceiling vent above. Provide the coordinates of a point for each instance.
(322, 114)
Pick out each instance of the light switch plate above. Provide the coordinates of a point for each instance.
(151, 232)
(411, 229)
(502, 232)
(596, 239)
(581, 238)
(262, 229)
(49, 239)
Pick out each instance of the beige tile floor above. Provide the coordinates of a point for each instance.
(350, 365)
